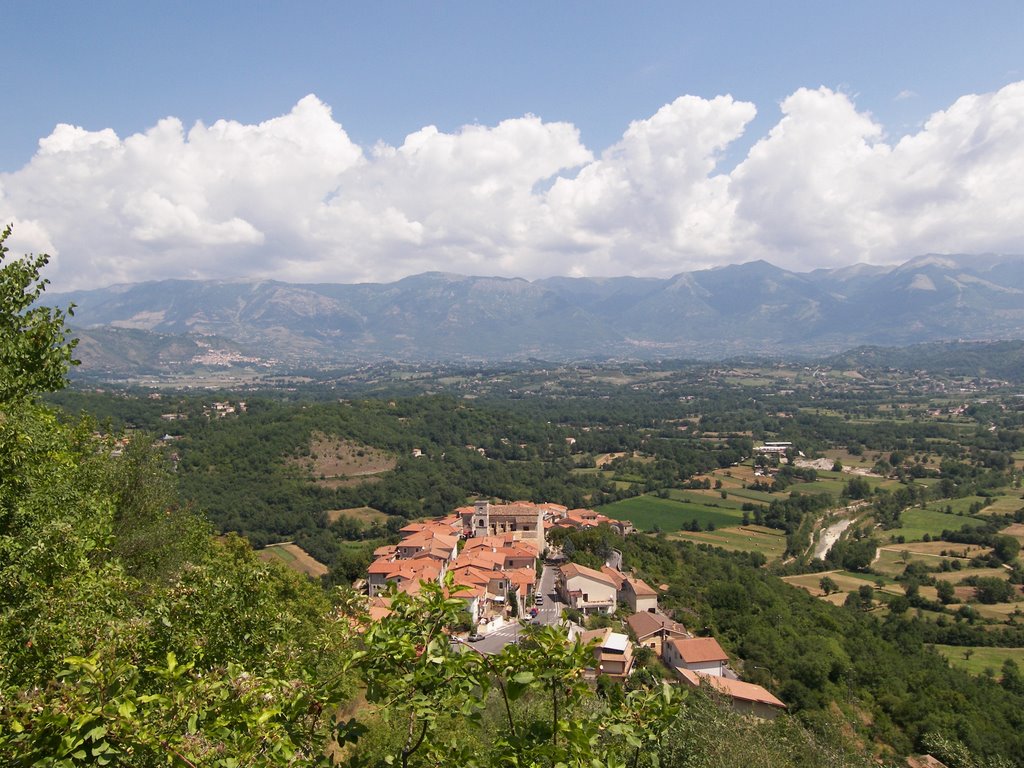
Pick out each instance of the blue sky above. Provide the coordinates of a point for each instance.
(385, 71)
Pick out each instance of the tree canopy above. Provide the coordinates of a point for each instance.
(35, 351)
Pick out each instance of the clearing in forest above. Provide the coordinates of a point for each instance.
(367, 515)
(335, 462)
(295, 557)
(976, 658)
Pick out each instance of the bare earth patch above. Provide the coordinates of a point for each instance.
(1016, 530)
(334, 462)
(295, 557)
(607, 458)
(936, 547)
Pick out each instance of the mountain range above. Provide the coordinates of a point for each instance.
(714, 313)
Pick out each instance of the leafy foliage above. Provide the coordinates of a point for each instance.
(34, 353)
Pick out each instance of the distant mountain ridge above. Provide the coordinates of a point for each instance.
(713, 313)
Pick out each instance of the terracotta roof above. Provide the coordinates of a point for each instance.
(429, 536)
(572, 570)
(383, 566)
(696, 650)
(736, 689)
(645, 624)
(640, 588)
(474, 577)
(481, 558)
(613, 574)
(379, 607)
(522, 577)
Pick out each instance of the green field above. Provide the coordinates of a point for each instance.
(750, 538)
(957, 505)
(981, 657)
(1005, 505)
(890, 560)
(281, 554)
(918, 522)
(648, 512)
(706, 498)
(758, 496)
(821, 485)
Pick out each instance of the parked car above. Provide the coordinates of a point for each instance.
(538, 599)
(474, 637)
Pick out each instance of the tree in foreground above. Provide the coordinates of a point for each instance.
(129, 636)
(35, 351)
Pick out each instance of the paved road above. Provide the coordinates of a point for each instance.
(495, 641)
(549, 613)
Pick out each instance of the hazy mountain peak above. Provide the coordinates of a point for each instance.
(755, 306)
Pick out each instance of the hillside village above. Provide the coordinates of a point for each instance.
(496, 557)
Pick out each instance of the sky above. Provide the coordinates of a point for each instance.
(345, 142)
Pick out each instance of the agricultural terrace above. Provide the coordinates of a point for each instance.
(295, 557)
(745, 538)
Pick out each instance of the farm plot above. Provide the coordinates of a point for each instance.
(918, 522)
(892, 560)
(1016, 530)
(1004, 505)
(976, 659)
(748, 538)
(710, 498)
(845, 580)
(649, 513)
(295, 557)
(761, 497)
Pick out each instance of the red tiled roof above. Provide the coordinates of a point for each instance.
(572, 570)
(736, 689)
(613, 574)
(696, 650)
(640, 588)
(645, 624)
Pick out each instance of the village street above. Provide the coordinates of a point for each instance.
(549, 613)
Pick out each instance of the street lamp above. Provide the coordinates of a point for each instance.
(771, 677)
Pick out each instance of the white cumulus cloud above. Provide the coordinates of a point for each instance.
(294, 198)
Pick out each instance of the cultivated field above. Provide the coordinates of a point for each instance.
(918, 522)
(1016, 530)
(649, 513)
(1005, 505)
(845, 580)
(891, 562)
(747, 538)
(980, 658)
(295, 557)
